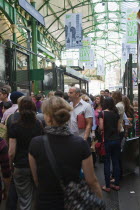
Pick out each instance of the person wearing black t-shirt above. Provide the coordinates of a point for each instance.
(109, 124)
(71, 153)
(20, 134)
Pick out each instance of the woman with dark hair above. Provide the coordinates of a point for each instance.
(129, 111)
(98, 105)
(109, 124)
(38, 103)
(20, 134)
(99, 100)
(71, 153)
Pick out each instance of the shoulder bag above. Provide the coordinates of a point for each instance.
(77, 196)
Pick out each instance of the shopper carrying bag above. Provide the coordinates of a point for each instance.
(71, 153)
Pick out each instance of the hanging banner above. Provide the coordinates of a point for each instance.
(100, 67)
(90, 64)
(124, 51)
(84, 54)
(73, 30)
(70, 62)
(134, 77)
(86, 42)
(131, 34)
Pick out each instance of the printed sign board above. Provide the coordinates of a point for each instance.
(73, 30)
(32, 11)
(131, 15)
(100, 67)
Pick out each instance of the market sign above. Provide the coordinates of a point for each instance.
(100, 67)
(86, 56)
(86, 42)
(131, 25)
(73, 31)
(32, 11)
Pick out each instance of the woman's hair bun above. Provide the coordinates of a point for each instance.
(61, 116)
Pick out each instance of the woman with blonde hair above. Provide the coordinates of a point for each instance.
(50, 94)
(71, 153)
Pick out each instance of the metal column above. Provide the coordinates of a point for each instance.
(34, 46)
(130, 79)
(139, 120)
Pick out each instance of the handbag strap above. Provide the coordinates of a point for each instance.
(52, 160)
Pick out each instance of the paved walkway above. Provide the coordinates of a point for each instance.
(128, 198)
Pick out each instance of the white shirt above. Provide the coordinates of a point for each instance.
(8, 112)
(81, 107)
(120, 107)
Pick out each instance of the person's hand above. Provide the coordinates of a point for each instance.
(4, 194)
(93, 134)
(126, 133)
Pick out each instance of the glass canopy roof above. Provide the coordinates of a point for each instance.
(103, 20)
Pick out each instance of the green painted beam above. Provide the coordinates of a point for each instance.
(7, 10)
(45, 3)
(57, 17)
(116, 1)
(66, 12)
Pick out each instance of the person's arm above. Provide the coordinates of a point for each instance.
(88, 127)
(119, 126)
(91, 179)
(94, 125)
(33, 167)
(126, 120)
(12, 150)
(101, 124)
(3, 118)
(5, 169)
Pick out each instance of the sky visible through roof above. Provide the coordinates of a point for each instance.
(103, 20)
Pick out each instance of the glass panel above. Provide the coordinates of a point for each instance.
(112, 6)
(22, 73)
(2, 63)
(99, 7)
(48, 80)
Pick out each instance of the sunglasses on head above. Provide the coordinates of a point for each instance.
(3, 90)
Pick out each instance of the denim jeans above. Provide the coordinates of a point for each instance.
(112, 153)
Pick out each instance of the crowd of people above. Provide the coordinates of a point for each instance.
(74, 123)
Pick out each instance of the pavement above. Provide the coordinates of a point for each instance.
(128, 198)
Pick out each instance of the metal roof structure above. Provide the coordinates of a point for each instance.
(103, 20)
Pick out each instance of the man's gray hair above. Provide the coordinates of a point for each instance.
(77, 90)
